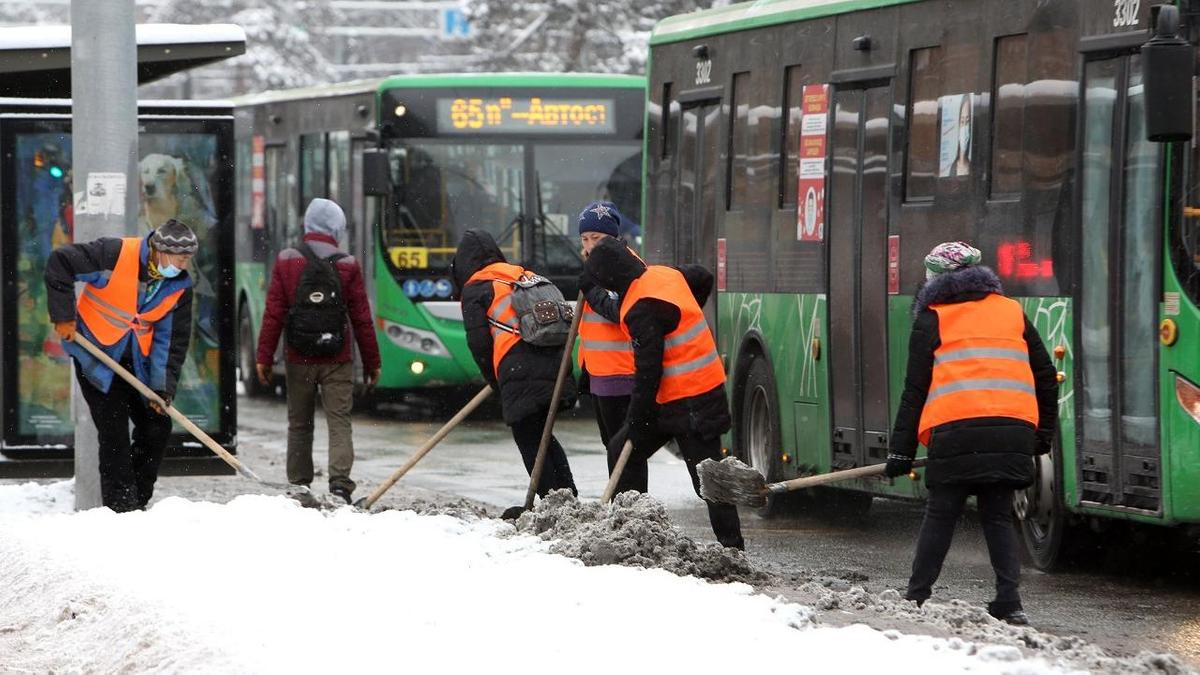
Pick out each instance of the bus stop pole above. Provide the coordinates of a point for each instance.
(104, 165)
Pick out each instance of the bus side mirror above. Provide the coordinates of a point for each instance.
(377, 173)
(1168, 62)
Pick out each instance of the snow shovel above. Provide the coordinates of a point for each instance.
(367, 502)
(733, 482)
(179, 417)
(564, 368)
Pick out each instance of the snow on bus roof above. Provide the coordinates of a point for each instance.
(17, 101)
(755, 14)
(59, 36)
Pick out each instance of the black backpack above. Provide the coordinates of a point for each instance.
(316, 323)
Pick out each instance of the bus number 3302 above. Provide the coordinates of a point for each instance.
(704, 71)
(1125, 12)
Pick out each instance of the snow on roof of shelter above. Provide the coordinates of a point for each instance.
(746, 15)
(35, 61)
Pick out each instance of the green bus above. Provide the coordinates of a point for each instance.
(812, 151)
(414, 160)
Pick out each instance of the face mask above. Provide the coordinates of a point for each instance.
(964, 137)
(169, 272)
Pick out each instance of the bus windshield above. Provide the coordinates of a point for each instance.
(445, 188)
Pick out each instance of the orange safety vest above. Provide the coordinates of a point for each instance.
(981, 368)
(111, 311)
(691, 365)
(604, 348)
(506, 332)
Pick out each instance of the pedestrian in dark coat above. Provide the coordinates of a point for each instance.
(982, 394)
(324, 224)
(525, 375)
(136, 306)
(679, 385)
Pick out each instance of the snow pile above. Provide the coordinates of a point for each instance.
(34, 498)
(264, 585)
(973, 623)
(633, 531)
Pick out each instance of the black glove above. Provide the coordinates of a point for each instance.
(585, 283)
(1044, 443)
(897, 465)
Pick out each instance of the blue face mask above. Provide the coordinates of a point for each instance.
(169, 272)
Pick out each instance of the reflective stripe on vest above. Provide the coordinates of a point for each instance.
(502, 318)
(111, 311)
(981, 368)
(691, 364)
(604, 348)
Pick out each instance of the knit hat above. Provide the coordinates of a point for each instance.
(174, 237)
(601, 217)
(324, 217)
(949, 256)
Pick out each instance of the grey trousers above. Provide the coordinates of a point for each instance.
(336, 381)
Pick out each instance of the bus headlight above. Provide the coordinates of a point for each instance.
(1188, 396)
(414, 339)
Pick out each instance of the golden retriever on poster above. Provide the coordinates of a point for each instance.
(167, 192)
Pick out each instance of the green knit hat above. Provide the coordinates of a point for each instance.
(950, 256)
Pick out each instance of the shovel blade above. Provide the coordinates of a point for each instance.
(730, 481)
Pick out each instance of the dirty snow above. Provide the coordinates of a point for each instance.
(263, 585)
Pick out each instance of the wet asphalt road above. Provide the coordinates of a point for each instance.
(1136, 598)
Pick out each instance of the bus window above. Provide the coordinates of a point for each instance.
(924, 86)
(570, 176)
(737, 165)
(312, 169)
(789, 156)
(338, 170)
(447, 188)
(1008, 115)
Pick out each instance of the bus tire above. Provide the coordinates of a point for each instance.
(247, 373)
(1047, 533)
(758, 435)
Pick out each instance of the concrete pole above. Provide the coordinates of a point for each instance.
(104, 166)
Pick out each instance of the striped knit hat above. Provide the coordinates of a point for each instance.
(174, 237)
(950, 256)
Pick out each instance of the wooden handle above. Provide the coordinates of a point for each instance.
(609, 489)
(835, 476)
(564, 367)
(429, 445)
(170, 410)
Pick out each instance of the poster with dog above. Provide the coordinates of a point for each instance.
(176, 179)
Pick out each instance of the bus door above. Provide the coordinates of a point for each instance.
(697, 191)
(857, 237)
(275, 170)
(1117, 315)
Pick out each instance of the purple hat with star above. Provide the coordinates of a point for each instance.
(600, 217)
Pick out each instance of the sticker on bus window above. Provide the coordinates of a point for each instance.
(410, 257)
(810, 212)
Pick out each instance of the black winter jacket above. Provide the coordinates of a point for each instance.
(527, 372)
(982, 450)
(649, 321)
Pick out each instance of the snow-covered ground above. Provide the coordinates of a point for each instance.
(262, 585)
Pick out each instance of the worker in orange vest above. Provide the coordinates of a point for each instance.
(522, 373)
(679, 379)
(136, 305)
(982, 395)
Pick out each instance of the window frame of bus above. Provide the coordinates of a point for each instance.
(222, 130)
(932, 77)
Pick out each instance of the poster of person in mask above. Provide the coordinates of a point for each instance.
(958, 114)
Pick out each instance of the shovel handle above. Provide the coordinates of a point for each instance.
(835, 476)
(170, 410)
(609, 489)
(429, 445)
(564, 367)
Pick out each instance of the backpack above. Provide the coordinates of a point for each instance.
(543, 316)
(316, 323)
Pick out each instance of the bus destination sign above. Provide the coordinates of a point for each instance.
(532, 114)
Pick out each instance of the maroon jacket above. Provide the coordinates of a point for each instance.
(289, 266)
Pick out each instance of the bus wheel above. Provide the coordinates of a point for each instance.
(758, 439)
(1045, 527)
(246, 357)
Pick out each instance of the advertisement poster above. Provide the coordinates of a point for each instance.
(958, 114)
(810, 195)
(176, 180)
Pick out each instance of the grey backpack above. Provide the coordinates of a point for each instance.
(543, 316)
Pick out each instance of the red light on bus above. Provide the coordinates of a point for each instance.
(1014, 260)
